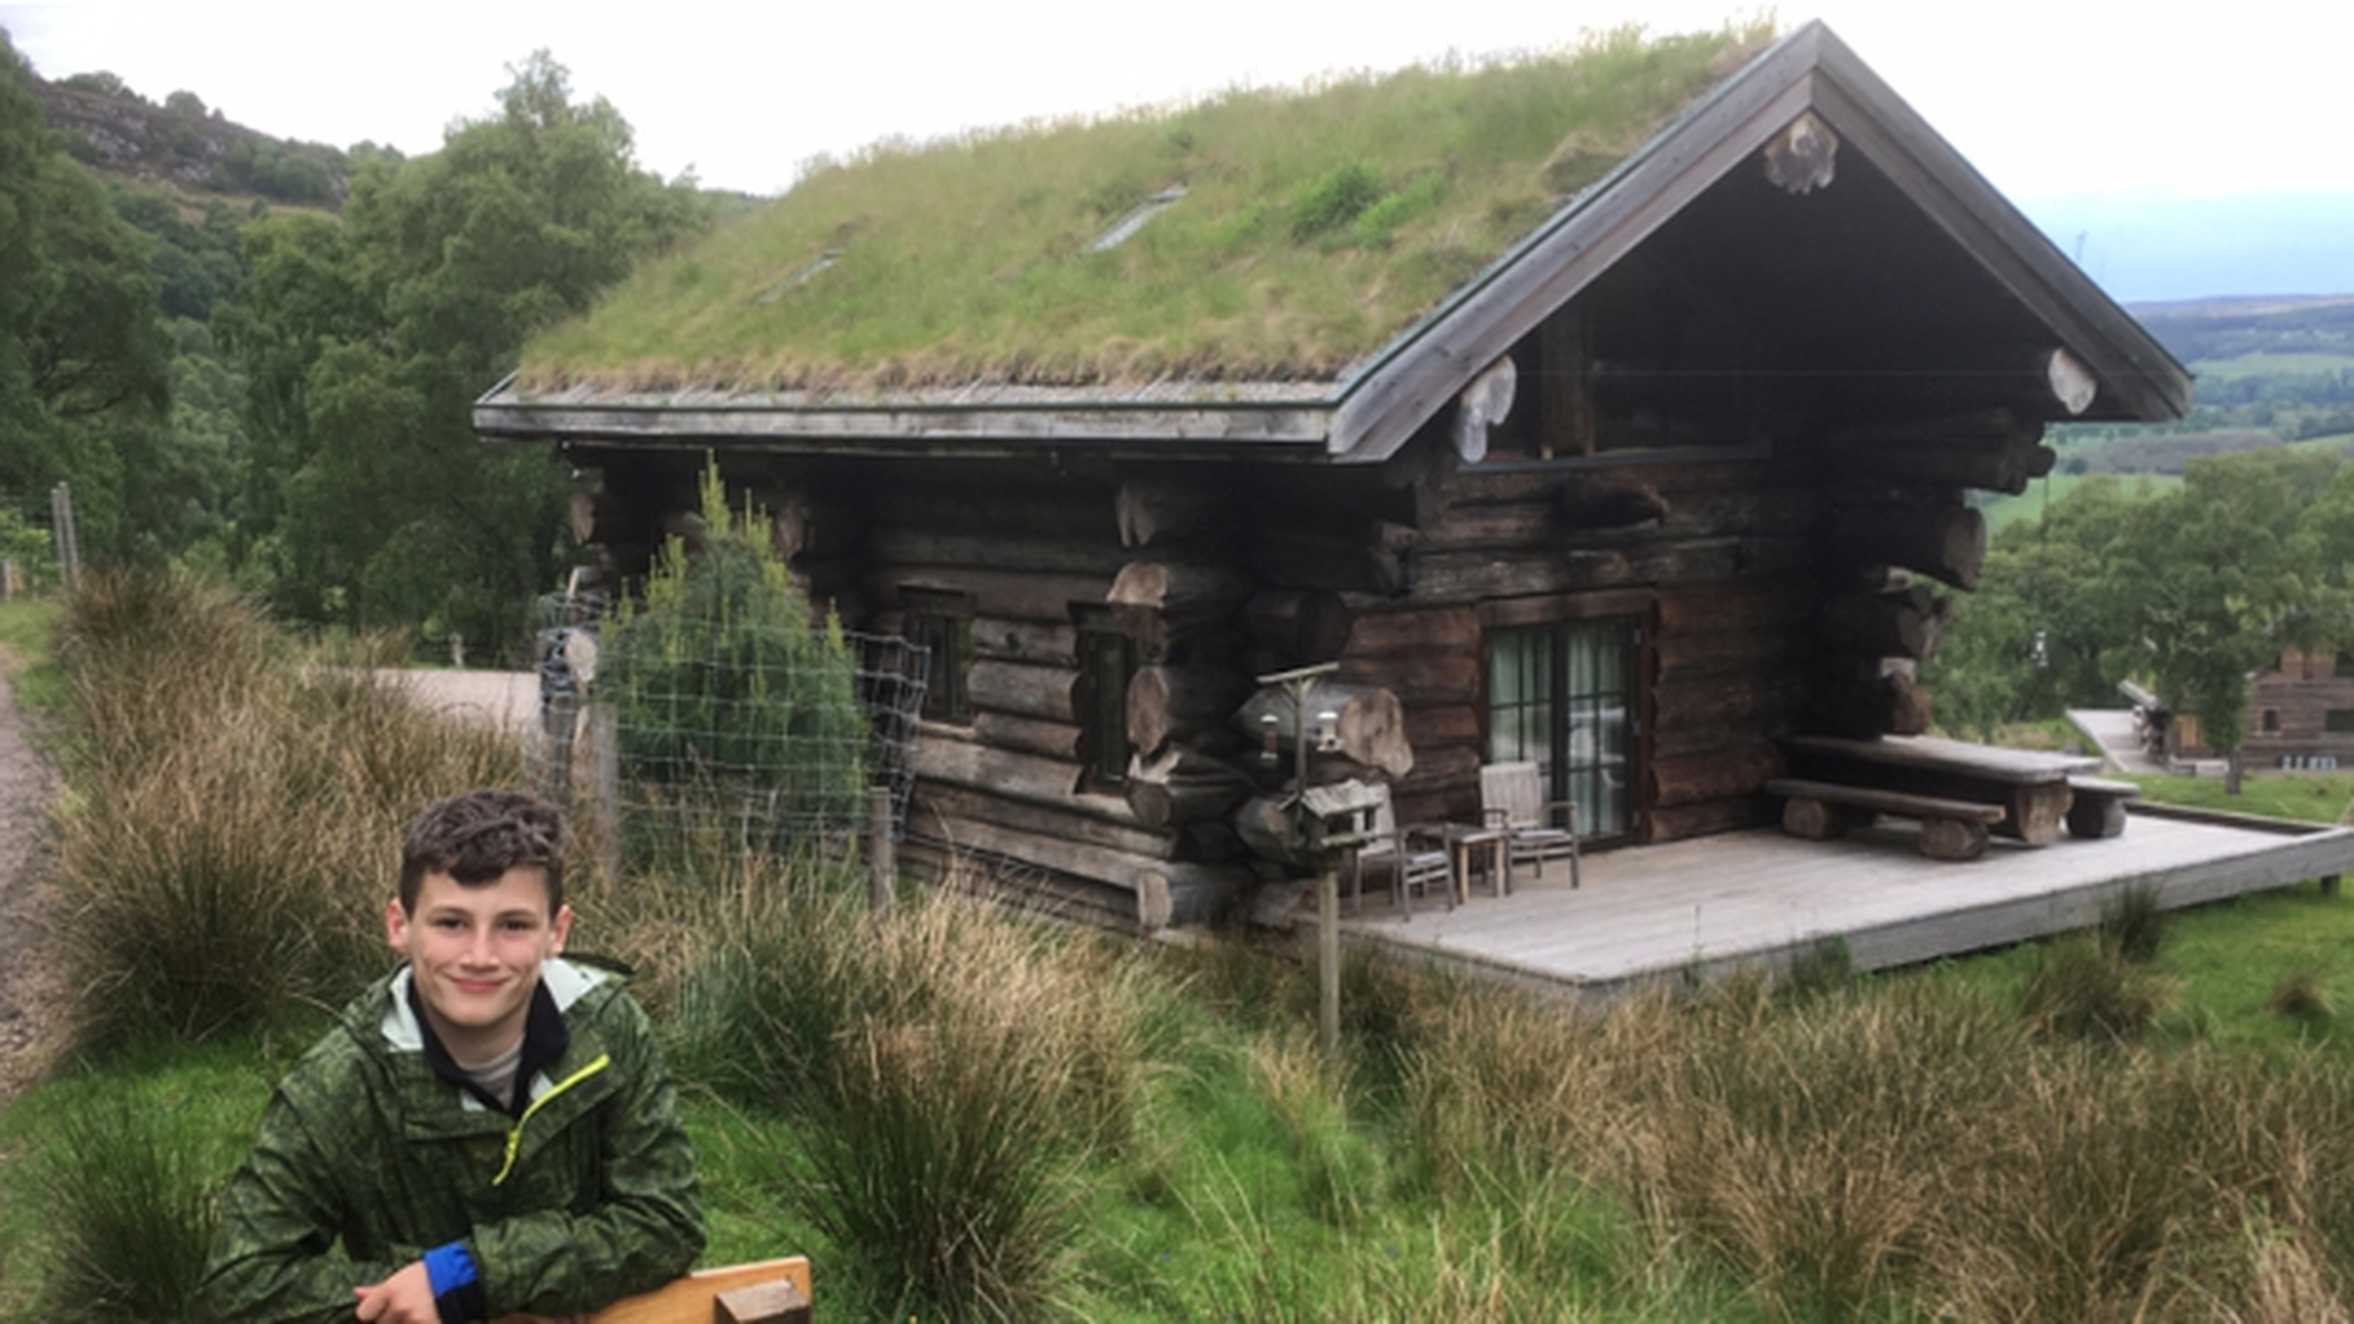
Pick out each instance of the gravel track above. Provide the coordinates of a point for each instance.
(30, 990)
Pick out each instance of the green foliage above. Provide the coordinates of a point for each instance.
(82, 363)
(132, 1216)
(2084, 990)
(1284, 258)
(2190, 590)
(726, 693)
(1334, 199)
(2133, 925)
(236, 811)
(369, 500)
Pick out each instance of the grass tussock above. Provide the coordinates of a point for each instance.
(130, 1217)
(2133, 925)
(234, 822)
(950, 1068)
(1317, 223)
(2301, 995)
(2088, 990)
(1912, 1147)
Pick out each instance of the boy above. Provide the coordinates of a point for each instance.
(488, 1131)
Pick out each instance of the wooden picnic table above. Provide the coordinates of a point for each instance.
(2031, 787)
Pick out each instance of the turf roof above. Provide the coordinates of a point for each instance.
(1315, 225)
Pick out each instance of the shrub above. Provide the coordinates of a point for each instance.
(731, 706)
(1825, 966)
(236, 815)
(2301, 995)
(2078, 989)
(131, 1216)
(2132, 925)
(948, 1066)
(1334, 200)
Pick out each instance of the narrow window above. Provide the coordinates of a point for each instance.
(943, 624)
(2344, 666)
(2272, 721)
(2338, 720)
(1107, 661)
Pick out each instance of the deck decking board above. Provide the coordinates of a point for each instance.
(1721, 903)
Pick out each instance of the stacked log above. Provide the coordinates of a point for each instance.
(1994, 449)
(1166, 605)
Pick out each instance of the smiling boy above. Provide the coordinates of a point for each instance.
(489, 1129)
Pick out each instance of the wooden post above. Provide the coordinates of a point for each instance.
(605, 748)
(1328, 961)
(882, 869)
(559, 718)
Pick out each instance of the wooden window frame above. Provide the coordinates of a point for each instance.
(1103, 714)
(942, 620)
(1639, 606)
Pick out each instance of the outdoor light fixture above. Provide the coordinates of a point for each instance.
(1269, 734)
(1327, 732)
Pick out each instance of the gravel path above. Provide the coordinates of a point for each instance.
(29, 991)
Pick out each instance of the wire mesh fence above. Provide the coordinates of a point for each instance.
(741, 733)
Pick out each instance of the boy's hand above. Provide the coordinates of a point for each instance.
(404, 1298)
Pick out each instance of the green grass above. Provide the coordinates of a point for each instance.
(2251, 365)
(1316, 224)
(2309, 797)
(28, 629)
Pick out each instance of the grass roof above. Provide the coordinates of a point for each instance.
(1315, 225)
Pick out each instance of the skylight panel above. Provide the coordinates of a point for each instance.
(799, 278)
(1135, 219)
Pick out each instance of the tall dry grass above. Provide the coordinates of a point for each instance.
(1912, 1146)
(950, 1068)
(232, 826)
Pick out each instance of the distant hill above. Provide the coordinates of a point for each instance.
(2231, 327)
(183, 147)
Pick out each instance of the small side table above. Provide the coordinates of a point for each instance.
(1462, 841)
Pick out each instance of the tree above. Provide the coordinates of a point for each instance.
(83, 364)
(2216, 578)
(366, 343)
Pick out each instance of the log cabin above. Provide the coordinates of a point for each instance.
(2300, 715)
(1615, 410)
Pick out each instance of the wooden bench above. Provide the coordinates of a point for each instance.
(1819, 811)
(2031, 787)
(2098, 809)
(767, 1292)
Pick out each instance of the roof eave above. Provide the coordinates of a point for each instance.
(1417, 374)
(1291, 429)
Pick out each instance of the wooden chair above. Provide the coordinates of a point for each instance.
(1411, 861)
(767, 1292)
(1511, 797)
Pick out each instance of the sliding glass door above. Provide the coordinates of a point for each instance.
(1564, 697)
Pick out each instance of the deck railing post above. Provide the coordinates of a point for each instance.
(882, 866)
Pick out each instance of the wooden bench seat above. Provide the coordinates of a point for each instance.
(2098, 807)
(1819, 811)
(765, 1292)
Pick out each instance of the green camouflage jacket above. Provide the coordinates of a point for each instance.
(589, 1197)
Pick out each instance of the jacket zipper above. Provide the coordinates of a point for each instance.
(515, 1133)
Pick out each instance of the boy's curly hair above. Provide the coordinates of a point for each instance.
(477, 836)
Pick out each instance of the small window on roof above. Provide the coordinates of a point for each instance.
(1135, 219)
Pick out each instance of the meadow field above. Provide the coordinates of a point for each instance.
(961, 1112)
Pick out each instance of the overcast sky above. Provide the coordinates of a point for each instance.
(2054, 101)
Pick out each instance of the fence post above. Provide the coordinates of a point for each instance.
(67, 538)
(882, 866)
(7, 578)
(605, 749)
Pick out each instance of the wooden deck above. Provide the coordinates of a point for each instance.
(1746, 899)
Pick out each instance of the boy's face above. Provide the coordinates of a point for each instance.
(475, 953)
